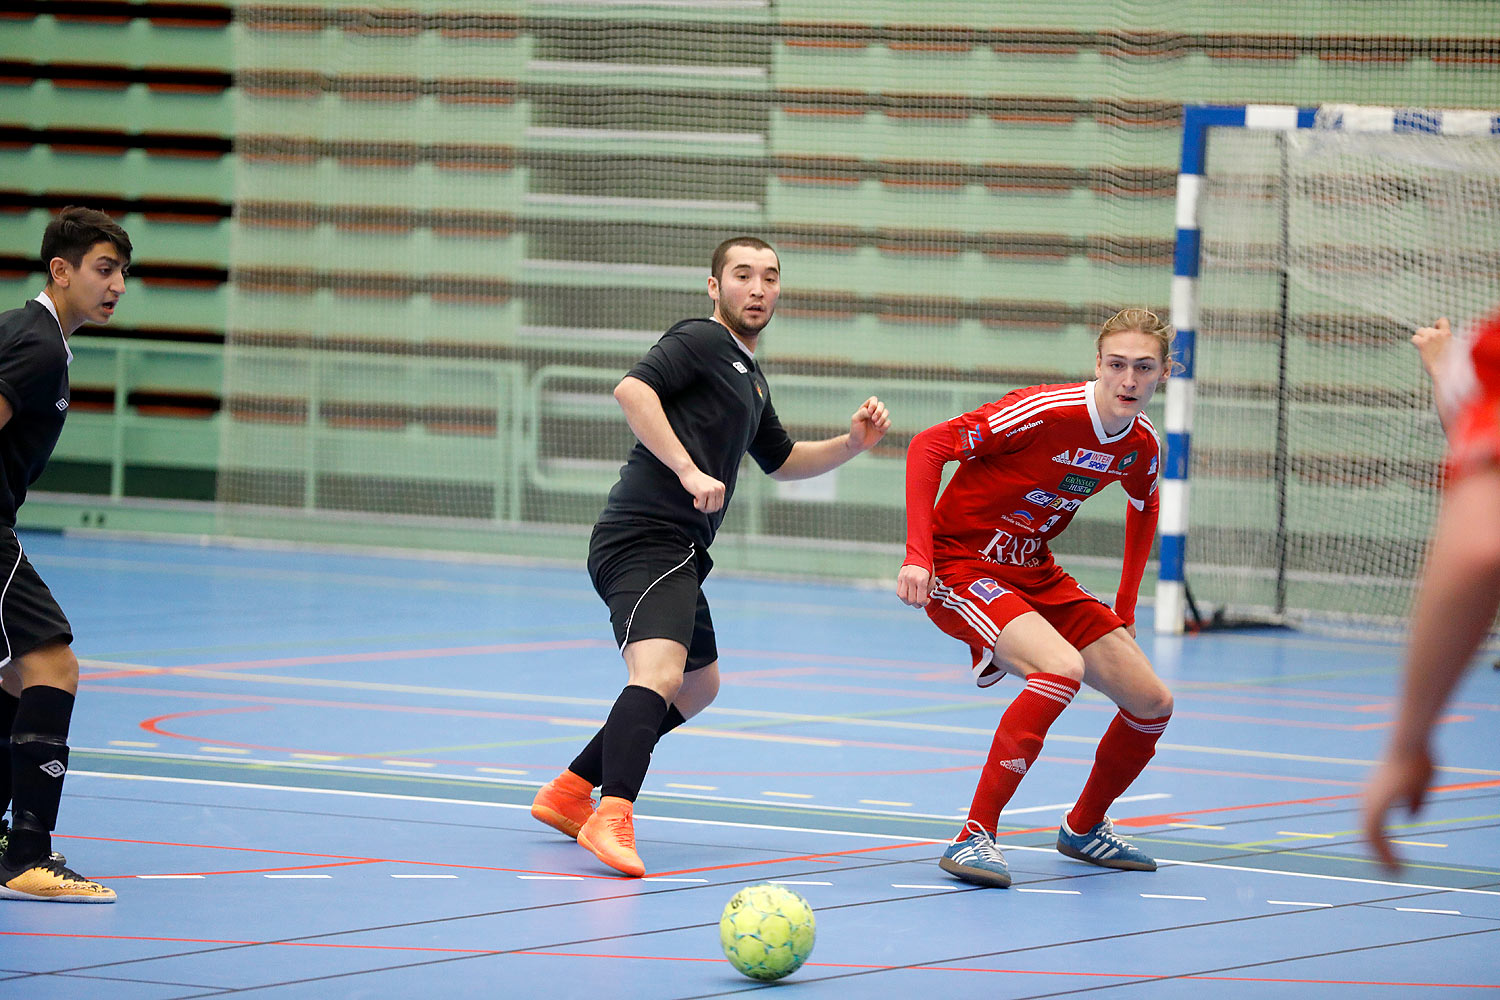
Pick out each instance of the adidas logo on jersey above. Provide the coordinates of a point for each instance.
(1063, 457)
(1017, 765)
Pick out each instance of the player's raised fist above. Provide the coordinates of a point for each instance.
(869, 424)
(1431, 341)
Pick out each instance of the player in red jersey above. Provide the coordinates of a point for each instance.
(1460, 589)
(980, 564)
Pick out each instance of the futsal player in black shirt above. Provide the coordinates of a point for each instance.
(697, 402)
(86, 254)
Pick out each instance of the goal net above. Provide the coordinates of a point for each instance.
(1316, 449)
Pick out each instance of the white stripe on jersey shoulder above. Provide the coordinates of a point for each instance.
(1149, 425)
(1029, 407)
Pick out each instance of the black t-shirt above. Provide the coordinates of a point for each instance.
(34, 381)
(718, 403)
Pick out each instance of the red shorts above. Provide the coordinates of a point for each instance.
(975, 599)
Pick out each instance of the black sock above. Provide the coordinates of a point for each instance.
(8, 705)
(629, 737)
(589, 765)
(38, 764)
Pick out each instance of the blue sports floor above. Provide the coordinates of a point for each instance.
(307, 775)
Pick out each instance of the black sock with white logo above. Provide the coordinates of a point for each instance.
(38, 765)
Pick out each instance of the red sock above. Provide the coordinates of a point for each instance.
(1127, 747)
(1018, 740)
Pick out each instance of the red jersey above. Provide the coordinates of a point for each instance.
(1475, 437)
(1026, 464)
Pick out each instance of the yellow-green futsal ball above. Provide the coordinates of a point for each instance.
(767, 931)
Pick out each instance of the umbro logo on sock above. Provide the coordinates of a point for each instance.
(54, 769)
(1018, 765)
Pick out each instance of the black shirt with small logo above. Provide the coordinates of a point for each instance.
(716, 398)
(34, 381)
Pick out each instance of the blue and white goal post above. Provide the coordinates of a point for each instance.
(1198, 122)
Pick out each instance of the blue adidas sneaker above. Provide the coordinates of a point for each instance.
(1103, 847)
(973, 857)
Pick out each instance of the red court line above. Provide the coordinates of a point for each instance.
(243, 871)
(153, 726)
(821, 856)
(231, 941)
(497, 649)
(694, 959)
(1031, 972)
(334, 860)
(1162, 818)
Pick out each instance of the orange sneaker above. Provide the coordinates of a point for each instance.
(565, 803)
(610, 834)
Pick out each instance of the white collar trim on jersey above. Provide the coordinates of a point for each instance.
(46, 300)
(737, 342)
(1088, 397)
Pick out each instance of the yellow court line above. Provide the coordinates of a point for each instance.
(770, 718)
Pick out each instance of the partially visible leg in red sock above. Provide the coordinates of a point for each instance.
(1127, 747)
(1018, 741)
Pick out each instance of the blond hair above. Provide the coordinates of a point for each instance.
(1136, 320)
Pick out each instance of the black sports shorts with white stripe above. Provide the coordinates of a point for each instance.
(651, 577)
(29, 615)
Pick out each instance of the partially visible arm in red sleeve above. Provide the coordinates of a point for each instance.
(925, 457)
(1140, 531)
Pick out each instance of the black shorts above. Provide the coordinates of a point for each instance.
(651, 577)
(29, 615)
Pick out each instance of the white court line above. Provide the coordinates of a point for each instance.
(423, 876)
(1149, 797)
(904, 885)
(1294, 902)
(551, 878)
(349, 793)
(1153, 895)
(1273, 871)
(1051, 892)
(296, 876)
(651, 879)
(167, 876)
(790, 881)
(1418, 909)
